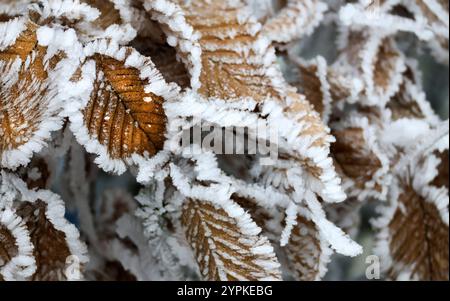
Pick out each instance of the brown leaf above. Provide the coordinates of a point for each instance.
(51, 237)
(163, 31)
(442, 177)
(376, 61)
(419, 239)
(312, 81)
(8, 248)
(410, 101)
(307, 255)
(232, 68)
(27, 108)
(354, 157)
(403, 106)
(296, 19)
(238, 63)
(50, 246)
(413, 240)
(222, 250)
(123, 117)
(109, 15)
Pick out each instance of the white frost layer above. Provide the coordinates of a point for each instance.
(23, 264)
(179, 34)
(55, 210)
(357, 16)
(52, 101)
(73, 10)
(297, 20)
(10, 31)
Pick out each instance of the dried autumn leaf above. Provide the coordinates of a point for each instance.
(223, 249)
(170, 20)
(323, 86)
(376, 60)
(55, 242)
(410, 101)
(428, 20)
(50, 247)
(385, 16)
(115, 19)
(109, 15)
(307, 252)
(232, 59)
(122, 120)
(359, 159)
(413, 241)
(29, 105)
(312, 81)
(296, 20)
(418, 239)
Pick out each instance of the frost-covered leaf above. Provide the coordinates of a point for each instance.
(410, 101)
(417, 239)
(16, 250)
(374, 59)
(235, 60)
(171, 20)
(387, 16)
(30, 101)
(241, 78)
(53, 238)
(306, 255)
(297, 19)
(109, 15)
(413, 241)
(359, 157)
(312, 81)
(117, 20)
(121, 117)
(428, 19)
(307, 252)
(224, 249)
